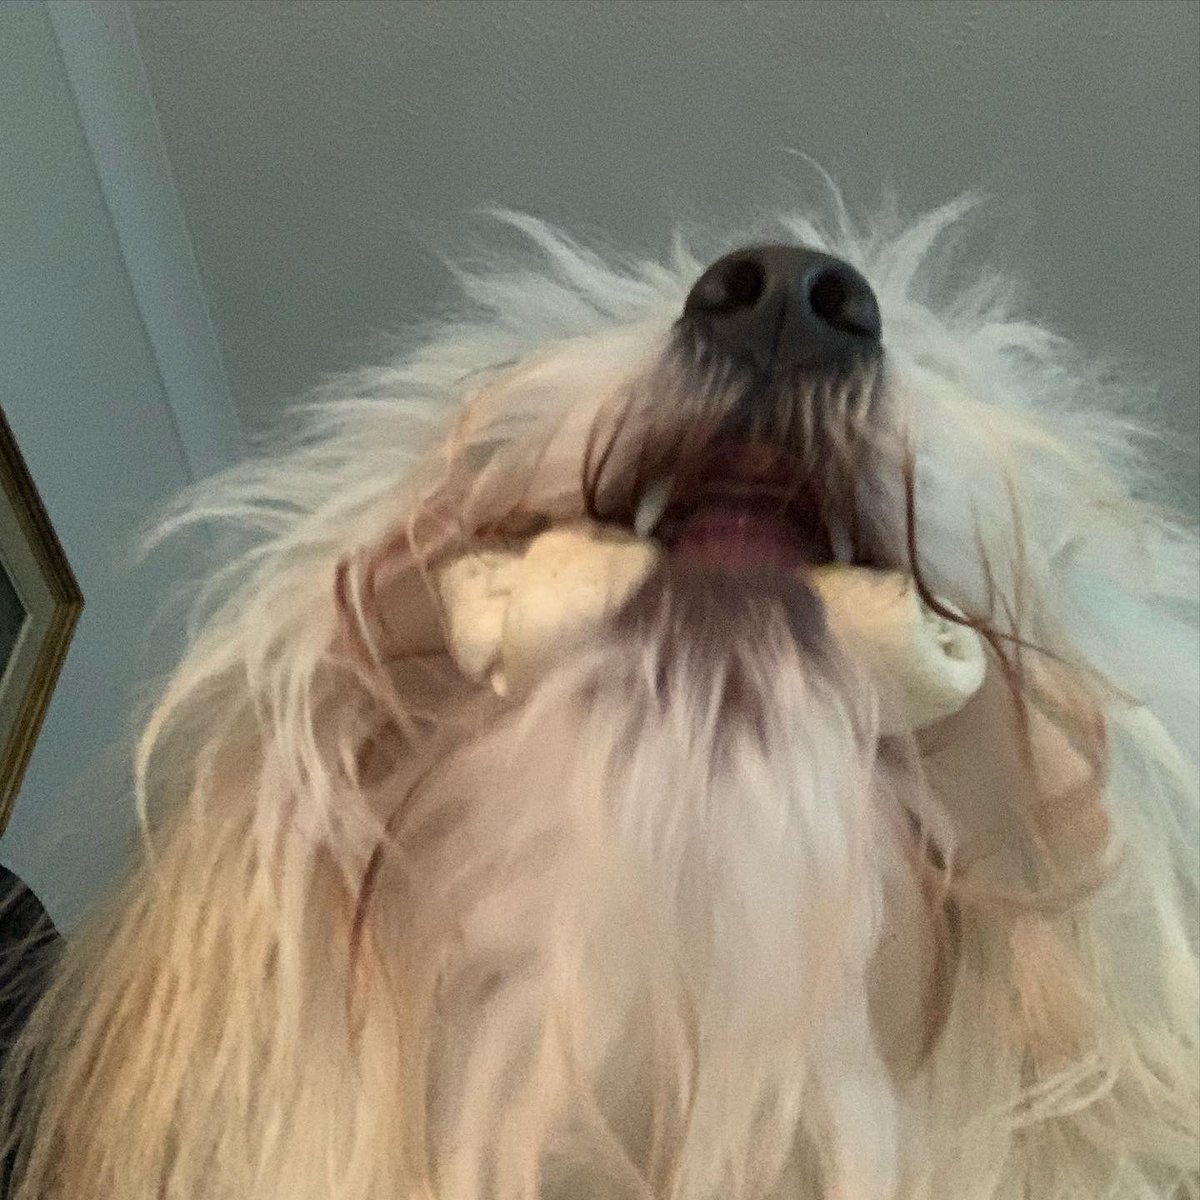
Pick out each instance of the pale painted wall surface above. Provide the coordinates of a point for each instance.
(325, 151)
(83, 391)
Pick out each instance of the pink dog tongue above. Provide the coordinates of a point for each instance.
(735, 537)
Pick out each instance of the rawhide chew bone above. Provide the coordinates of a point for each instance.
(924, 667)
(511, 612)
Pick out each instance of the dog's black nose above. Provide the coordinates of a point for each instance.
(778, 308)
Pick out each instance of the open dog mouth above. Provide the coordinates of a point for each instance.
(747, 508)
(741, 508)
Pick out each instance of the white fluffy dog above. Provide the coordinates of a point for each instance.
(643, 868)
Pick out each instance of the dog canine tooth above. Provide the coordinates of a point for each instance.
(652, 506)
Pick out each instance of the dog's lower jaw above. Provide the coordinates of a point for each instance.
(716, 951)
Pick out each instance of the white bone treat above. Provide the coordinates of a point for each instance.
(571, 578)
(475, 591)
(923, 666)
(511, 612)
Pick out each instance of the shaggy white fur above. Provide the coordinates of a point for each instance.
(679, 922)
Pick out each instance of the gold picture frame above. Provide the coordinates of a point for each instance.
(40, 603)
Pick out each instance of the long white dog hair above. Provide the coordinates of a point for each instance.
(679, 923)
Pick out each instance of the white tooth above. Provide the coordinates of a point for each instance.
(652, 506)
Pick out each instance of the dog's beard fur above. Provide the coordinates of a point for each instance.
(679, 923)
(663, 900)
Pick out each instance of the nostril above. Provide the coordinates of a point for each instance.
(828, 296)
(842, 303)
(737, 285)
(745, 284)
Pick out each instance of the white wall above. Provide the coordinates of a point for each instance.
(95, 398)
(326, 151)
